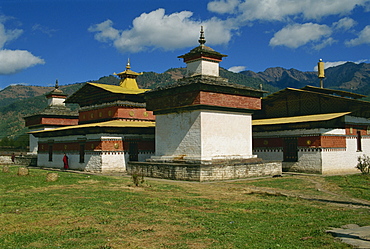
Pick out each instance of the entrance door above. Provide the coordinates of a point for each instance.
(290, 149)
(133, 151)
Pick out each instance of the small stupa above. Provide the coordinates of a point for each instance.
(203, 122)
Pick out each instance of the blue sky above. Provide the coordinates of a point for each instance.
(80, 40)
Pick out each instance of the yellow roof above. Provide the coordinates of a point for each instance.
(112, 123)
(128, 72)
(118, 89)
(129, 83)
(299, 119)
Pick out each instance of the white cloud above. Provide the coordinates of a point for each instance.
(157, 30)
(363, 38)
(282, 9)
(105, 31)
(327, 42)
(344, 24)
(223, 6)
(328, 64)
(8, 35)
(296, 35)
(13, 61)
(237, 69)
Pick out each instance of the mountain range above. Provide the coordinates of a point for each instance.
(347, 77)
(17, 101)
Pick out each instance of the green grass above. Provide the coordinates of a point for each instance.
(357, 186)
(93, 211)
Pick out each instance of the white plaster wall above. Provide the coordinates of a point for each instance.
(178, 134)
(56, 101)
(43, 160)
(33, 143)
(93, 162)
(345, 161)
(310, 160)
(203, 67)
(226, 135)
(96, 161)
(113, 162)
(203, 135)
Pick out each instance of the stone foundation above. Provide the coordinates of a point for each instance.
(27, 160)
(216, 171)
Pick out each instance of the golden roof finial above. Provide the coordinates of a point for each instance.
(128, 66)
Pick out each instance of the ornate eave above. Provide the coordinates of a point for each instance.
(205, 83)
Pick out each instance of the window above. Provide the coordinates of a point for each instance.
(82, 152)
(359, 145)
(50, 152)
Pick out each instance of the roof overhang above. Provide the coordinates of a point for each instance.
(299, 119)
(115, 126)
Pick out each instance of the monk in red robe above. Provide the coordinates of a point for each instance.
(65, 161)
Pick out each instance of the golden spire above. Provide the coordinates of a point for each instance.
(128, 77)
(128, 64)
(321, 72)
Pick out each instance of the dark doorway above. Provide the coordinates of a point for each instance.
(290, 149)
(133, 151)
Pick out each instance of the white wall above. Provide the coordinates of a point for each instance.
(325, 161)
(226, 135)
(345, 161)
(203, 135)
(56, 101)
(113, 162)
(202, 67)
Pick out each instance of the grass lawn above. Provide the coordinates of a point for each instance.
(95, 211)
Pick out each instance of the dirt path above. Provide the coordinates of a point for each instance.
(332, 193)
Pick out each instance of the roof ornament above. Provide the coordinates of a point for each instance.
(56, 88)
(202, 39)
(321, 72)
(128, 66)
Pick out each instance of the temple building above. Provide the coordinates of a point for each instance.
(55, 115)
(313, 130)
(113, 128)
(204, 125)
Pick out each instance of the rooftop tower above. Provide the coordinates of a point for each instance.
(128, 78)
(202, 60)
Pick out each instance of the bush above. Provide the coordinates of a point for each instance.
(137, 178)
(363, 164)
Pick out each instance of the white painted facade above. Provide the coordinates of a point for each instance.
(94, 161)
(203, 135)
(320, 160)
(202, 67)
(56, 101)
